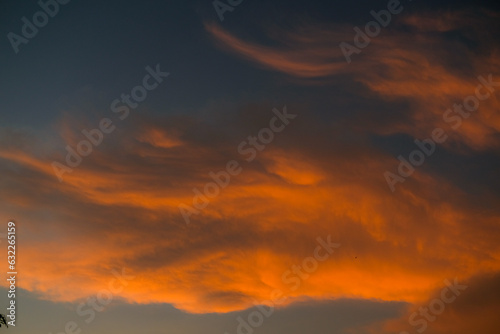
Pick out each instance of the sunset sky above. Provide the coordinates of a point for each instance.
(241, 167)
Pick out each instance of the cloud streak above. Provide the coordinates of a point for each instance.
(119, 209)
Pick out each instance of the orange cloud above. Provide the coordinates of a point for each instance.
(425, 73)
(119, 209)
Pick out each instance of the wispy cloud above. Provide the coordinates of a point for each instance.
(127, 193)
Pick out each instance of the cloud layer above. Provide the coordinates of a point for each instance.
(323, 175)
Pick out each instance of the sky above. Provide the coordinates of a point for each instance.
(241, 167)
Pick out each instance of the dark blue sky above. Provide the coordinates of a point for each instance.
(104, 47)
